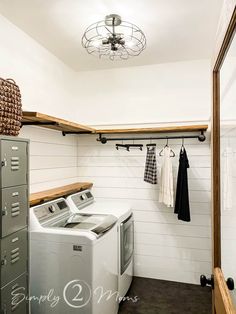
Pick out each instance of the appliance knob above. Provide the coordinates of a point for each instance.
(51, 208)
(82, 197)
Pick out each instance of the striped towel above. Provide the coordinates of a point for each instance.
(150, 173)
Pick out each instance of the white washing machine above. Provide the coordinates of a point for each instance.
(83, 202)
(70, 268)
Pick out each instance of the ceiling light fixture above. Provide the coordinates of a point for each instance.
(114, 39)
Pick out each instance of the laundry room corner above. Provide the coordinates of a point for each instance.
(117, 148)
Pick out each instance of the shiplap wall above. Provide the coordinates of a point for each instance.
(165, 248)
(53, 158)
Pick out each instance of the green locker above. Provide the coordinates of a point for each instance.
(14, 163)
(14, 205)
(14, 202)
(14, 296)
(14, 256)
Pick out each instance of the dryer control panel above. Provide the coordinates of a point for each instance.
(82, 199)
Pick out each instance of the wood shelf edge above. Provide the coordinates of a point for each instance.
(33, 116)
(184, 128)
(48, 195)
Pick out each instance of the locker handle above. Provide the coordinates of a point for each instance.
(13, 261)
(4, 162)
(15, 239)
(14, 168)
(15, 193)
(4, 261)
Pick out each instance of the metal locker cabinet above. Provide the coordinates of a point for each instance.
(14, 213)
(14, 202)
(14, 163)
(14, 256)
(10, 303)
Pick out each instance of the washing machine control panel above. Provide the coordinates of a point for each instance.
(50, 209)
(82, 199)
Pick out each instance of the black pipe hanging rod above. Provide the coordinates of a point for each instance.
(201, 137)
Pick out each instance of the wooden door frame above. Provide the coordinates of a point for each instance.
(224, 42)
(215, 139)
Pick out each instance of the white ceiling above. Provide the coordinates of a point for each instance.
(176, 30)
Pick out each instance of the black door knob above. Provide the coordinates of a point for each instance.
(207, 281)
(230, 283)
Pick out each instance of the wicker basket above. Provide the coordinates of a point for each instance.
(10, 107)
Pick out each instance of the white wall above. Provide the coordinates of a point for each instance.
(165, 248)
(146, 94)
(46, 83)
(53, 158)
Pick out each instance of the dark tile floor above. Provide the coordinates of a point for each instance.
(166, 297)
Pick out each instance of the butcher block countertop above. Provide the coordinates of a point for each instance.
(48, 195)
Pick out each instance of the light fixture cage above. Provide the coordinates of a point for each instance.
(114, 39)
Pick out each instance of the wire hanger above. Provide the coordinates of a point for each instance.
(182, 146)
(118, 146)
(128, 146)
(172, 152)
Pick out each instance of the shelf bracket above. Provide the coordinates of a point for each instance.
(64, 133)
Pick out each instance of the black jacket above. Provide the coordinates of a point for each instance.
(182, 197)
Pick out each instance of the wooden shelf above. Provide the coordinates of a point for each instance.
(184, 128)
(46, 121)
(67, 127)
(48, 195)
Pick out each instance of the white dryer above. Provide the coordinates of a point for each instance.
(70, 270)
(83, 202)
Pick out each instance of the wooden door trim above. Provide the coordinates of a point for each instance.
(215, 137)
(229, 35)
(215, 134)
(222, 294)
